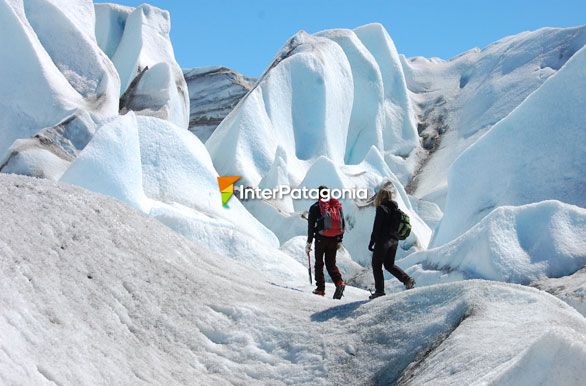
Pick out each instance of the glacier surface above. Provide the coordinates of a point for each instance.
(99, 292)
(150, 279)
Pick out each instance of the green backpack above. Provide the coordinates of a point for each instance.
(404, 226)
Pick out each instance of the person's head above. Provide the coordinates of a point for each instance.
(324, 193)
(385, 194)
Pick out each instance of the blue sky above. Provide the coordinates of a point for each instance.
(246, 34)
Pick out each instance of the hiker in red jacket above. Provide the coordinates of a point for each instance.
(326, 224)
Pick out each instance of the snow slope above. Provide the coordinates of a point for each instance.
(164, 171)
(110, 21)
(30, 158)
(531, 155)
(42, 82)
(94, 290)
(178, 170)
(459, 100)
(99, 293)
(571, 289)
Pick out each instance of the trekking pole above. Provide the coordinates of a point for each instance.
(309, 268)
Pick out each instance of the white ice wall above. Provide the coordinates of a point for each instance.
(50, 65)
(533, 154)
(136, 38)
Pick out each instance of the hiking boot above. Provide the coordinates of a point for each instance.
(375, 295)
(319, 291)
(340, 286)
(410, 284)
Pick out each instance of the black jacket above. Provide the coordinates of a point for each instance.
(386, 223)
(315, 223)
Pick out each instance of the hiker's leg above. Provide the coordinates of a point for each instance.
(320, 280)
(390, 266)
(377, 268)
(397, 272)
(330, 257)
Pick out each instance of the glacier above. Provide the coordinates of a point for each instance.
(324, 123)
(137, 41)
(164, 171)
(538, 157)
(569, 288)
(84, 89)
(461, 99)
(112, 295)
(362, 104)
(36, 68)
(50, 151)
(515, 244)
(309, 124)
(119, 263)
(110, 164)
(213, 92)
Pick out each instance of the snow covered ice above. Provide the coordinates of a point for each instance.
(137, 40)
(99, 293)
(325, 121)
(538, 155)
(461, 99)
(514, 244)
(110, 164)
(120, 265)
(568, 288)
(36, 68)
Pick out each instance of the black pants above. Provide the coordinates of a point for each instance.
(384, 254)
(326, 248)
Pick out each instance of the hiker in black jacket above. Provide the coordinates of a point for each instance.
(384, 241)
(326, 224)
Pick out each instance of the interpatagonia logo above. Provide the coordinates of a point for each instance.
(244, 193)
(226, 184)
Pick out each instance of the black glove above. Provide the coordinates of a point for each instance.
(371, 246)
